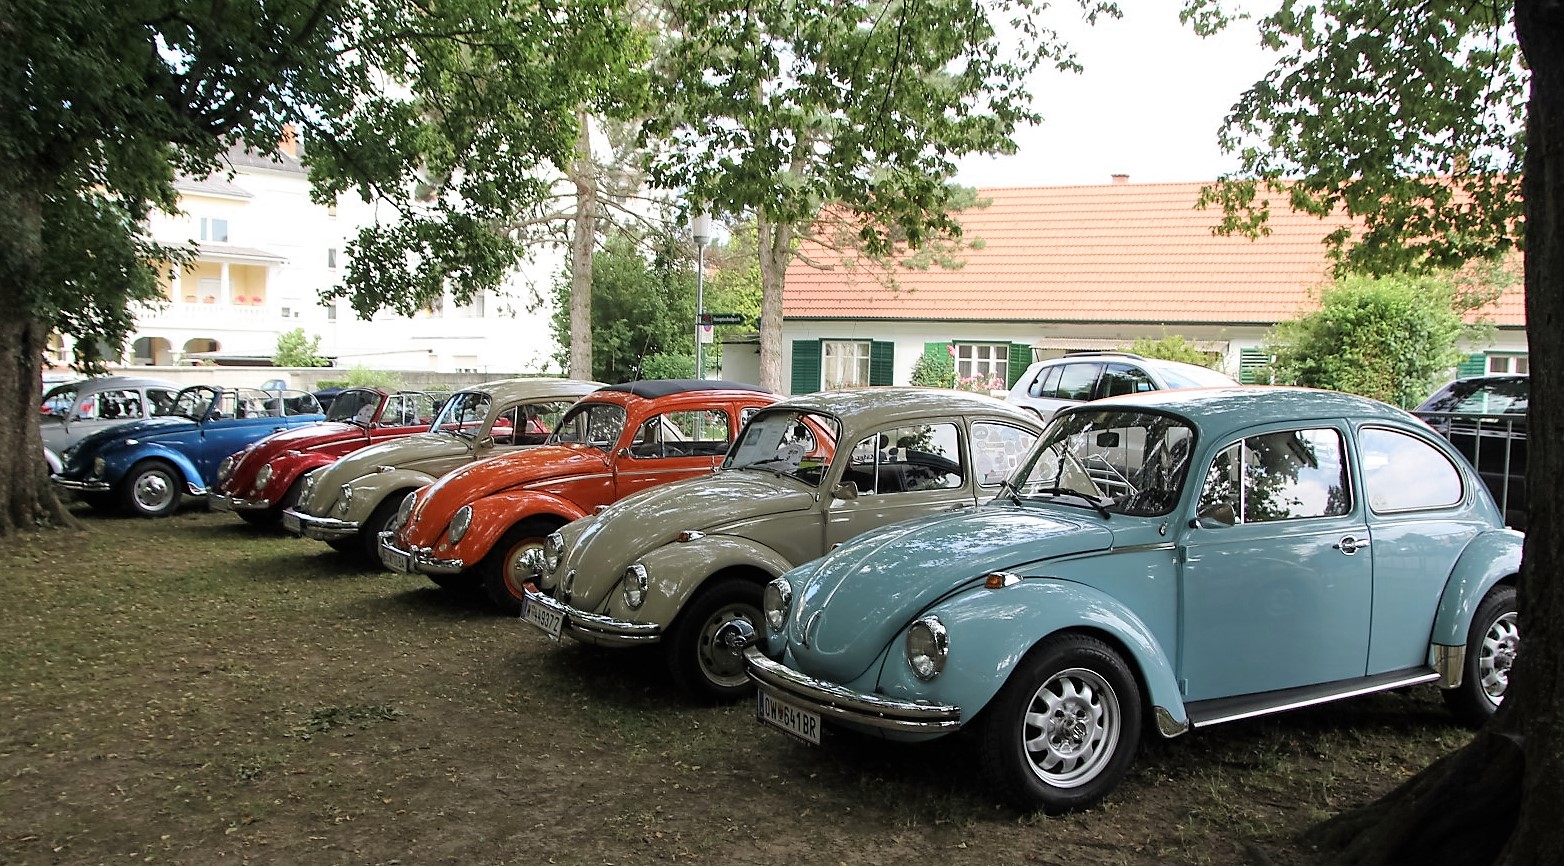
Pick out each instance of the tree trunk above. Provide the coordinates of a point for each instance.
(583, 241)
(1498, 799)
(775, 242)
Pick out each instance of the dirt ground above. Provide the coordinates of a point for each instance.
(195, 691)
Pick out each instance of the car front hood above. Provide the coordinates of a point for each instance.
(311, 436)
(473, 481)
(631, 527)
(862, 595)
(90, 446)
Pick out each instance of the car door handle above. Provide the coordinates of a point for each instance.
(1350, 544)
(278, 429)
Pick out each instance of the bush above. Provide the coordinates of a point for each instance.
(934, 370)
(1173, 347)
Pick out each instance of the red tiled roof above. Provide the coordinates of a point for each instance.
(1118, 252)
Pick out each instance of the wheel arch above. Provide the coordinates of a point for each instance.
(1489, 559)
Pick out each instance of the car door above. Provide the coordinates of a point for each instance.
(896, 473)
(1277, 578)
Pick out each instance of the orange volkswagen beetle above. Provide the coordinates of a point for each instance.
(485, 523)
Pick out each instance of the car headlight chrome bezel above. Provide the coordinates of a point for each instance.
(461, 521)
(636, 581)
(553, 552)
(263, 477)
(405, 511)
(344, 499)
(927, 647)
(775, 601)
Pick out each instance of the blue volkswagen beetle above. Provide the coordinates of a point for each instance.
(148, 466)
(1166, 561)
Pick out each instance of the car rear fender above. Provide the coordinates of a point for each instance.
(493, 516)
(991, 630)
(1488, 559)
(676, 571)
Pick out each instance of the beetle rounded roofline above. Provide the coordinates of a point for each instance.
(1218, 409)
(900, 403)
(650, 388)
(533, 387)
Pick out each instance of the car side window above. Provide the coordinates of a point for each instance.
(119, 405)
(697, 433)
(161, 400)
(1046, 382)
(997, 449)
(1076, 382)
(1289, 475)
(903, 459)
(1119, 379)
(1404, 473)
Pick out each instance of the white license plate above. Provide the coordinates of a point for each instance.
(290, 522)
(395, 560)
(800, 723)
(549, 621)
(220, 503)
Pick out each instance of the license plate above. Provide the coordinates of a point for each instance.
(290, 522)
(798, 722)
(550, 622)
(395, 560)
(220, 503)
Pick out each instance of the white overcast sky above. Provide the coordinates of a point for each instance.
(1149, 103)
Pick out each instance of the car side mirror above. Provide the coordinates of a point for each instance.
(1214, 517)
(846, 490)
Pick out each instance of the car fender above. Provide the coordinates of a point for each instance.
(1487, 559)
(493, 516)
(991, 630)
(120, 463)
(371, 490)
(675, 572)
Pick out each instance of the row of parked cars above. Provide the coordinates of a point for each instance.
(907, 563)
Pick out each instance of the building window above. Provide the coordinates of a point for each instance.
(331, 257)
(1517, 364)
(214, 230)
(844, 364)
(331, 312)
(982, 366)
(287, 312)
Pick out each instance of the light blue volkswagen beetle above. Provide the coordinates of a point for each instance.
(1167, 561)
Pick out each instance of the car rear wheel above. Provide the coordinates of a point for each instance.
(1063, 731)
(379, 521)
(511, 563)
(151, 488)
(1491, 644)
(700, 665)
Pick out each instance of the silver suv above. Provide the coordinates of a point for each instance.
(1051, 385)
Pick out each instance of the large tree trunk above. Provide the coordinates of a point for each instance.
(775, 241)
(1498, 800)
(583, 241)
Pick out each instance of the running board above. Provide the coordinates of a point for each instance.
(1218, 710)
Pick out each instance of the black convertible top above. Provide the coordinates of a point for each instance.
(662, 387)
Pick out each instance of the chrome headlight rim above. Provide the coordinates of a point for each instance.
(553, 552)
(344, 498)
(636, 580)
(461, 521)
(225, 468)
(775, 600)
(405, 510)
(927, 646)
(263, 477)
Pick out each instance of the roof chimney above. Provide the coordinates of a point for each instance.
(289, 143)
(1121, 178)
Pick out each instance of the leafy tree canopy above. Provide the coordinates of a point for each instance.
(1173, 347)
(640, 308)
(297, 349)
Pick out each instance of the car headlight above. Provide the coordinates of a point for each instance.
(404, 512)
(635, 586)
(225, 469)
(775, 601)
(263, 478)
(345, 499)
(927, 646)
(460, 521)
(306, 488)
(99, 465)
(553, 552)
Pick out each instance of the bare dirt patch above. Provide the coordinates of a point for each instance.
(195, 691)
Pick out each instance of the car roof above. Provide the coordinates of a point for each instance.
(650, 388)
(100, 383)
(892, 404)
(537, 386)
(1218, 410)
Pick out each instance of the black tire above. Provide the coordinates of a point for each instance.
(379, 520)
(1079, 684)
(503, 571)
(1491, 644)
(699, 666)
(151, 489)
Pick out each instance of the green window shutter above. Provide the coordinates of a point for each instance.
(1250, 365)
(1020, 359)
(934, 350)
(882, 363)
(806, 366)
(1474, 365)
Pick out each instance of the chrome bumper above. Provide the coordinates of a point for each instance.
(318, 528)
(224, 502)
(844, 705)
(416, 561)
(84, 486)
(595, 628)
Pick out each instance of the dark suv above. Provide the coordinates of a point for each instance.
(1484, 417)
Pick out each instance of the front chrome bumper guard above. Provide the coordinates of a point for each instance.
(832, 701)
(323, 528)
(595, 628)
(419, 559)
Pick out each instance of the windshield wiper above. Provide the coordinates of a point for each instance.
(1096, 502)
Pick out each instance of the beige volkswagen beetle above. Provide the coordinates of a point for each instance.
(348, 503)
(671, 565)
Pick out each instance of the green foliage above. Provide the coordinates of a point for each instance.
(639, 308)
(363, 377)
(665, 366)
(1393, 339)
(297, 349)
(934, 370)
(733, 278)
(1173, 347)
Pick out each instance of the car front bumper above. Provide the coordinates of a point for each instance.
(318, 528)
(595, 628)
(88, 486)
(224, 502)
(418, 560)
(844, 705)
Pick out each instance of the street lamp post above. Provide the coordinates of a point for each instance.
(700, 228)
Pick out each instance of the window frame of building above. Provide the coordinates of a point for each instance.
(214, 230)
(971, 363)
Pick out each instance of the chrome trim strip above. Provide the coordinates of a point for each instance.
(1322, 699)
(1450, 662)
(89, 486)
(574, 478)
(1134, 548)
(836, 702)
(323, 528)
(595, 628)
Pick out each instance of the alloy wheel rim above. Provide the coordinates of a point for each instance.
(1500, 644)
(1071, 728)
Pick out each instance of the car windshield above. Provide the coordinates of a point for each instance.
(463, 414)
(1122, 462)
(356, 406)
(194, 402)
(594, 424)
(787, 442)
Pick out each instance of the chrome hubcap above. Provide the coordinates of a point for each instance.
(153, 491)
(1072, 728)
(524, 564)
(719, 663)
(1498, 654)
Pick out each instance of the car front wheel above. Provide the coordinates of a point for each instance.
(1491, 645)
(151, 489)
(1063, 731)
(510, 564)
(699, 664)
